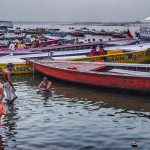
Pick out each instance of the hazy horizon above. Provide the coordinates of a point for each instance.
(75, 10)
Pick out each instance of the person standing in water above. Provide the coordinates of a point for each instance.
(45, 85)
(8, 86)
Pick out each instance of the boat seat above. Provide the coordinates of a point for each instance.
(129, 72)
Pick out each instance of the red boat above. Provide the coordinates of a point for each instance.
(48, 43)
(132, 77)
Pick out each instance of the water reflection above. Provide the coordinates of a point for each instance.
(71, 112)
(97, 96)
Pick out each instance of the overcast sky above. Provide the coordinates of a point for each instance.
(74, 10)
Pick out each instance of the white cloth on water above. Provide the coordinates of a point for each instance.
(9, 91)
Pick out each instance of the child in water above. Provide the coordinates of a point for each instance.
(2, 110)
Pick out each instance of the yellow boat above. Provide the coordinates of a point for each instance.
(19, 68)
(120, 57)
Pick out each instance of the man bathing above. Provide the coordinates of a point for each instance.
(8, 86)
(45, 85)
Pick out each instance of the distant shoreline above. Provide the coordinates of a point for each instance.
(137, 23)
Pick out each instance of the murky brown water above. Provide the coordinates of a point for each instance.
(74, 117)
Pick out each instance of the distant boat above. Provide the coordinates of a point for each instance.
(71, 28)
(77, 33)
(119, 35)
(131, 77)
(6, 24)
(54, 29)
(102, 32)
(144, 33)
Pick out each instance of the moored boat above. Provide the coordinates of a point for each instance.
(117, 56)
(132, 77)
(77, 33)
(72, 46)
(19, 68)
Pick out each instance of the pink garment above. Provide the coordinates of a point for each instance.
(93, 52)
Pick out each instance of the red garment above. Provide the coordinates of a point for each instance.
(2, 110)
(42, 44)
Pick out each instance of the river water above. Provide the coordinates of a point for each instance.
(74, 117)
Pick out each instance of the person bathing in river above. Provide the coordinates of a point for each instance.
(8, 86)
(2, 110)
(45, 85)
(93, 52)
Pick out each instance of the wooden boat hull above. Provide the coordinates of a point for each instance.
(19, 68)
(129, 57)
(141, 84)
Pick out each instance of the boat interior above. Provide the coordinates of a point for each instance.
(142, 70)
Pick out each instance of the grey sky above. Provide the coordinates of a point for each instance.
(74, 10)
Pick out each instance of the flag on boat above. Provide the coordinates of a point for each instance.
(129, 34)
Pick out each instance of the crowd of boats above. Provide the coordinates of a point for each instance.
(119, 66)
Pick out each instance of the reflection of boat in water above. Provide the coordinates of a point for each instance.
(131, 77)
(96, 96)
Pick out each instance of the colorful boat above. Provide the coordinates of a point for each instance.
(72, 46)
(19, 68)
(132, 77)
(120, 57)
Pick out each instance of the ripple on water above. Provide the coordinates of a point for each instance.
(73, 119)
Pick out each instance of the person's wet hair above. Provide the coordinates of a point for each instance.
(45, 78)
(10, 65)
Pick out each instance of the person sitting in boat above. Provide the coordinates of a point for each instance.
(93, 41)
(41, 36)
(19, 45)
(42, 44)
(101, 50)
(12, 46)
(16, 41)
(89, 41)
(5, 41)
(45, 43)
(45, 85)
(35, 44)
(76, 41)
(93, 52)
(32, 39)
(22, 46)
(9, 43)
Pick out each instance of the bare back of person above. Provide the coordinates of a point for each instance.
(8, 85)
(5, 75)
